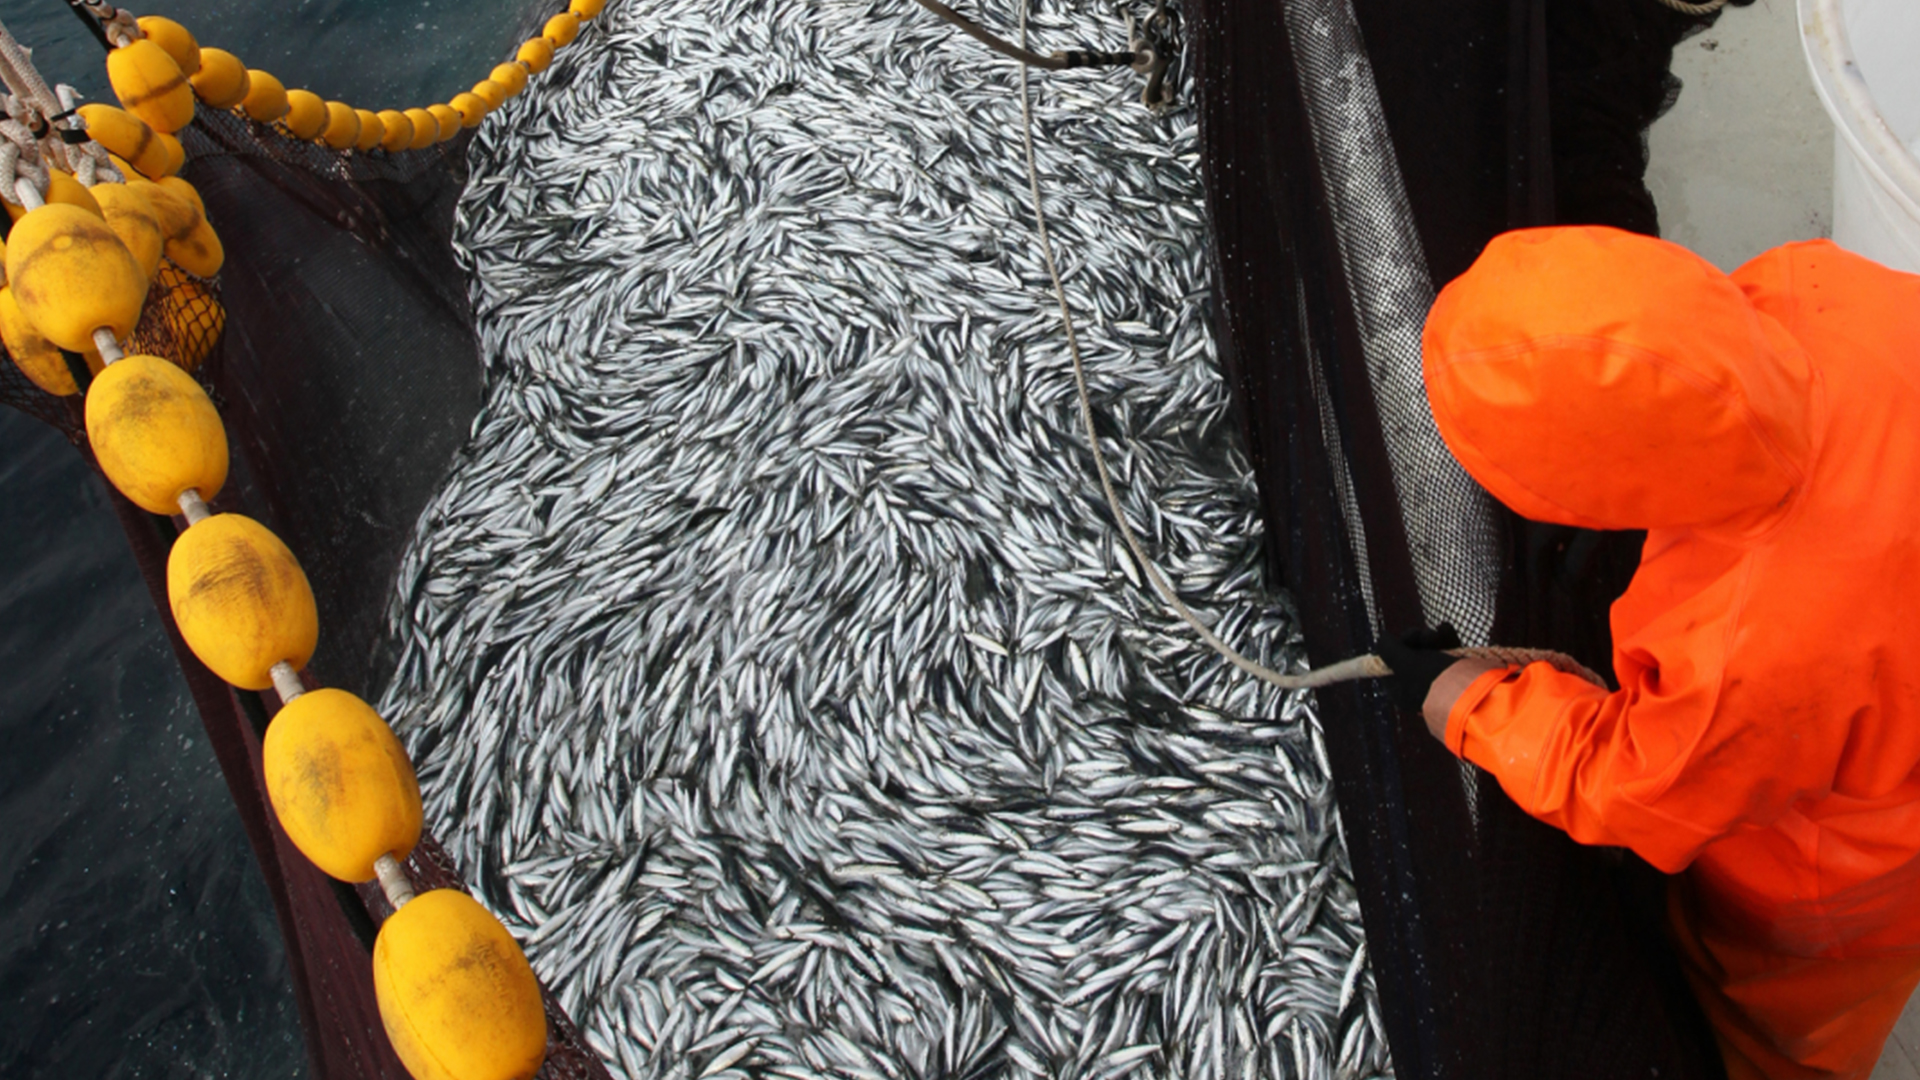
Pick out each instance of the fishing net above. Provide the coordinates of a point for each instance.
(1500, 948)
(711, 914)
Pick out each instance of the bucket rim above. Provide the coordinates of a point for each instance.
(1849, 102)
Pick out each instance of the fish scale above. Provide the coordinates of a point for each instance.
(780, 428)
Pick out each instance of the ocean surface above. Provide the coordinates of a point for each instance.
(136, 936)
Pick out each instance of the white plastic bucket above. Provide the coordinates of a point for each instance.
(1865, 56)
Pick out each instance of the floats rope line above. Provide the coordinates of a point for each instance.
(1366, 666)
(454, 990)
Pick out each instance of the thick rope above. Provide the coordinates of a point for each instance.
(1685, 8)
(1367, 666)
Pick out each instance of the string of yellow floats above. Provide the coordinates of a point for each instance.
(455, 992)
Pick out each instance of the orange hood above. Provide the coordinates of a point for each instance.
(1593, 377)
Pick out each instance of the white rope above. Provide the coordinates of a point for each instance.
(1356, 668)
(107, 346)
(23, 79)
(286, 682)
(394, 881)
(1366, 666)
(1685, 8)
(193, 507)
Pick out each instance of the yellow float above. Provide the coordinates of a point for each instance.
(512, 77)
(449, 119)
(65, 190)
(177, 40)
(199, 252)
(176, 154)
(174, 214)
(222, 80)
(72, 276)
(537, 53)
(192, 317)
(490, 92)
(586, 9)
(472, 108)
(266, 99)
(36, 357)
(343, 126)
(133, 219)
(126, 136)
(150, 85)
(340, 783)
(562, 29)
(373, 130)
(306, 114)
(241, 601)
(155, 433)
(456, 995)
(185, 192)
(398, 130)
(426, 129)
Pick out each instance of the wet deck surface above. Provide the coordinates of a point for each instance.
(1901, 1059)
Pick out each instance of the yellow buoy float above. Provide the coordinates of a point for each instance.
(562, 29)
(490, 92)
(398, 130)
(150, 85)
(155, 433)
(72, 276)
(222, 80)
(199, 252)
(126, 136)
(512, 77)
(266, 99)
(456, 995)
(373, 130)
(472, 108)
(241, 600)
(340, 783)
(449, 119)
(586, 9)
(133, 219)
(37, 358)
(65, 190)
(537, 53)
(192, 317)
(176, 154)
(185, 192)
(343, 126)
(426, 128)
(177, 40)
(189, 238)
(306, 114)
(174, 213)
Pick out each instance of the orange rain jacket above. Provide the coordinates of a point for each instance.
(1765, 429)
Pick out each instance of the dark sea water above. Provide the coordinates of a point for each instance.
(136, 936)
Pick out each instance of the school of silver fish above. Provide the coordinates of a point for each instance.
(770, 660)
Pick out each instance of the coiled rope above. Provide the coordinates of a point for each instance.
(1696, 10)
(1367, 666)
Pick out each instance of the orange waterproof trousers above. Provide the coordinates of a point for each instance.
(1764, 428)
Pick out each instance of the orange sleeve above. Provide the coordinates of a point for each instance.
(1598, 765)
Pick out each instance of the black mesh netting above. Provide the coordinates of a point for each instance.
(1501, 948)
(1356, 156)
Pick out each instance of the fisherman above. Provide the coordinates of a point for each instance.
(1764, 429)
